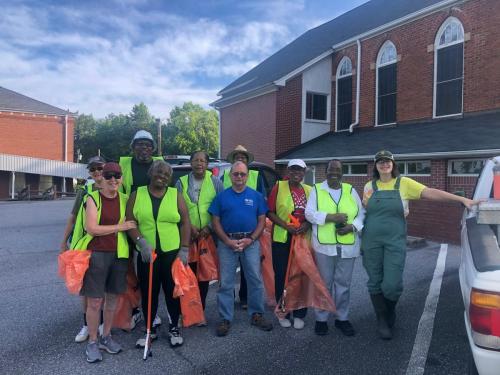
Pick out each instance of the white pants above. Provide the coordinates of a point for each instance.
(337, 274)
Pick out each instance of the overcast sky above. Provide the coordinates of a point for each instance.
(101, 57)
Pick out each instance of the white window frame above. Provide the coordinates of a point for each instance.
(327, 121)
(450, 174)
(344, 60)
(437, 47)
(349, 169)
(378, 65)
(405, 172)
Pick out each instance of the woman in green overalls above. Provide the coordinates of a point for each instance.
(384, 234)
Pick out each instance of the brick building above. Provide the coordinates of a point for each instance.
(36, 146)
(419, 78)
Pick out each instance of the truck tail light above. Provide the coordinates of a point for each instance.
(215, 171)
(484, 315)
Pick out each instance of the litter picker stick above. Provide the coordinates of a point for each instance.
(147, 346)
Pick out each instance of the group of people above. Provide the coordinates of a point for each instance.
(131, 209)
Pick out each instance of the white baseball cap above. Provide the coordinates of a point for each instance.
(298, 162)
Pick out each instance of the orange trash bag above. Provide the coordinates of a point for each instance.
(127, 301)
(208, 261)
(266, 259)
(186, 288)
(304, 286)
(194, 252)
(72, 265)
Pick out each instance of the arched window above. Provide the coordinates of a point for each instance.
(386, 84)
(449, 68)
(344, 94)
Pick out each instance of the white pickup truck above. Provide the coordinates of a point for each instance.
(480, 276)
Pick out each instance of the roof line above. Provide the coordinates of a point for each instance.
(72, 114)
(420, 155)
(282, 81)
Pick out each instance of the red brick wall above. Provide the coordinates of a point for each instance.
(289, 115)
(251, 123)
(415, 70)
(36, 136)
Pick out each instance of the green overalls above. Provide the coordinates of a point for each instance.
(384, 242)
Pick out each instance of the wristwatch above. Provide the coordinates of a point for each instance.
(137, 238)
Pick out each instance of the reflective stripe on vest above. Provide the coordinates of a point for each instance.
(327, 233)
(122, 244)
(198, 212)
(253, 177)
(127, 178)
(166, 222)
(284, 207)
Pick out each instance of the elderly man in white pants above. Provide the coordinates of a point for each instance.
(336, 213)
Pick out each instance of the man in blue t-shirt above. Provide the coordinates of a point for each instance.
(238, 218)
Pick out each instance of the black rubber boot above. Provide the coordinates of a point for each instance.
(380, 307)
(391, 312)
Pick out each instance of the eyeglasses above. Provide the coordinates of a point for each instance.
(143, 144)
(239, 174)
(109, 176)
(384, 161)
(93, 169)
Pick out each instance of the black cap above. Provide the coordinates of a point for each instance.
(384, 154)
(96, 160)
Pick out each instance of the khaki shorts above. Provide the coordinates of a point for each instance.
(106, 274)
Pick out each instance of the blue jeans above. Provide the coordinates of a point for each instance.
(228, 261)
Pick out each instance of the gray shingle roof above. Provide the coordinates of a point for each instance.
(13, 101)
(317, 41)
(473, 132)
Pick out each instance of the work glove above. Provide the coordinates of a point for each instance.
(145, 249)
(183, 255)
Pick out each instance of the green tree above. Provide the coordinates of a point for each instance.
(192, 128)
(85, 135)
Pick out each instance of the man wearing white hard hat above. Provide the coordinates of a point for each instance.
(135, 174)
(288, 197)
(335, 211)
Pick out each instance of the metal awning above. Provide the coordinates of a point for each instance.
(26, 164)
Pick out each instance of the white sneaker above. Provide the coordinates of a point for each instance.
(136, 318)
(83, 335)
(175, 337)
(101, 329)
(285, 323)
(141, 343)
(298, 323)
(157, 321)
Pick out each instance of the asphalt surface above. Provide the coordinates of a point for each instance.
(39, 320)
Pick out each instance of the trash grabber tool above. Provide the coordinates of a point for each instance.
(147, 346)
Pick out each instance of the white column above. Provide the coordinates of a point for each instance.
(13, 192)
(64, 185)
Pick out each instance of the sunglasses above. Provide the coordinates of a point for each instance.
(93, 169)
(239, 174)
(109, 176)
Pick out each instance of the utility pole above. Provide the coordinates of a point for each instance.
(158, 124)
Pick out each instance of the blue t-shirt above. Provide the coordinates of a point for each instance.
(238, 212)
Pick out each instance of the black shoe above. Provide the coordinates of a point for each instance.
(380, 307)
(391, 312)
(260, 322)
(346, 327)
(223, 328)
(321, 328)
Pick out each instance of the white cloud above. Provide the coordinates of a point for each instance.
(110, 70)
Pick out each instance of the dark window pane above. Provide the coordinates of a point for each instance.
(345, 169)
(359, 169)
(319, 107)
(466, 166)
(450, 62)
(419, 167)
(309, 98)
(344, 103)
(401, 167)
(387, 109)
(344, 116)
(344, 90)
(387, 79)
(449, 97)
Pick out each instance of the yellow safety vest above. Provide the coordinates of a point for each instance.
(284, 207)
(198, 213)
(253, 177)
(79, 227)
(327, 233)
(127, 178)
(122, 246)
(166, 222)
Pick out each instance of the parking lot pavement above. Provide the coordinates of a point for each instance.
(39, 320)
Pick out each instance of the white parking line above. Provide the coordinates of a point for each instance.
(416, 366)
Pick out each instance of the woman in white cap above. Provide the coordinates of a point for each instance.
(288, 197)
